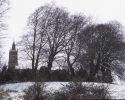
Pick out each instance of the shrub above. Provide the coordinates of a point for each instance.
(100, 91)
(35, 92)
(4, 95)
(77, 91)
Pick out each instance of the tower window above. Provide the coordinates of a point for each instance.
(13, 58)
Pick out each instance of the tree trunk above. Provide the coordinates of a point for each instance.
(103, 74)
(50, 65)
(97, 65)
(71, 70)
(90, 78)
(33, 73)
(70, 65)
(108, 76)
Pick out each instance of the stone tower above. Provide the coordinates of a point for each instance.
(13, 57)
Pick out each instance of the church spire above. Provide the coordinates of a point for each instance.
(13, 46)
(13, 57)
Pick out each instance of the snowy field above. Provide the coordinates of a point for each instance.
(16, 90)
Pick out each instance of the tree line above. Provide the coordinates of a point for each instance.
(54, 37)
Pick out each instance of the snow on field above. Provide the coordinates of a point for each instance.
(16, 90)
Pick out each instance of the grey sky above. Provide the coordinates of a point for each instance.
(100, 10)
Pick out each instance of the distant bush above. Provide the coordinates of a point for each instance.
(25, 75)
(59, 75)
(54, 75)
(81, 73)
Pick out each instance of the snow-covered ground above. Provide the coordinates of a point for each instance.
(16, 90)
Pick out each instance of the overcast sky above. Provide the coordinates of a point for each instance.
(100, 10)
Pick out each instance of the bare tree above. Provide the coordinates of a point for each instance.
(57, 34)
(103, 45)
(4, 7)
(88, 38)
(73, 48)
(34, 39)
(47, 30)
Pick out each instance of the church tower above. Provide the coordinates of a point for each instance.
(13, 57)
